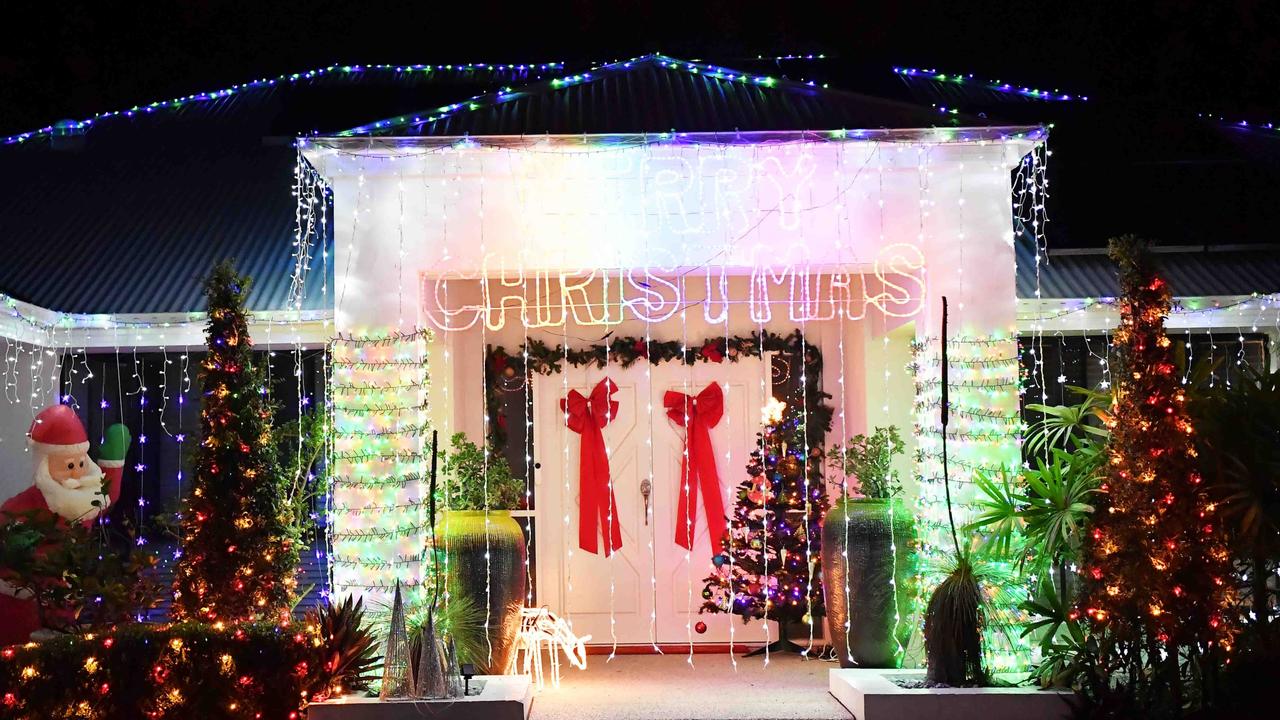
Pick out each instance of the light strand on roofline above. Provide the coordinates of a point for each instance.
(76, 126)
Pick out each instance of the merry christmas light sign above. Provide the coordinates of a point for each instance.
(893, 285)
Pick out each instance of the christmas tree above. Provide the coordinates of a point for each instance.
(769, 565)
(238, 560)
(1156, 572)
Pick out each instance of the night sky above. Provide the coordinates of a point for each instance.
(1152, 68)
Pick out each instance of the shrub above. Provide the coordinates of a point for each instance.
(186, 670)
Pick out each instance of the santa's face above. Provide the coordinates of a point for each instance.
(69, 469)
(70, 485)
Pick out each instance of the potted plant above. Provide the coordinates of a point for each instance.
(481, 545)
(866, 553)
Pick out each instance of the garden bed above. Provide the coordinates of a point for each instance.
(875, 695)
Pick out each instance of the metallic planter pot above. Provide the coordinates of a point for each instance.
(501, 579)
(858, 590)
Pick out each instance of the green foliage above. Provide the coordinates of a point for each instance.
(239, 553)
(463, 619)
(1239, 444)
(349, 644)
(186, 670)
(75, 577)
(1057, 505)
(476, 479)
(299, 447)
(999, 520)
(869, 460)
(1036, 519)
(1061, 636)
(1240, 436)
(1067, 426)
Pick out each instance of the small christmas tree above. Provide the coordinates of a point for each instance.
(1156, 572)
(238, 559)
(769, 565)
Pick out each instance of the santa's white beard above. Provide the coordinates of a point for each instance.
(72, 503)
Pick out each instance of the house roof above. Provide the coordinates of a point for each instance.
(150, 197)
(145, 200)
(1201, 271)
(655, 93)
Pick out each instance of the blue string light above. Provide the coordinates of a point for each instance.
(288, 78)
(996, 85)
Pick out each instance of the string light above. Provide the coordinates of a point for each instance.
(380, 388)
(995, 85)
(212, 96)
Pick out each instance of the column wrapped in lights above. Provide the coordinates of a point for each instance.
(983, 435)
(379, 385)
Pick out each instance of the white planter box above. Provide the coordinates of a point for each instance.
(503, 697)
(871, 695)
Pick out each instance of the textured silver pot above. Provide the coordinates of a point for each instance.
(866, 544)
(501, 580)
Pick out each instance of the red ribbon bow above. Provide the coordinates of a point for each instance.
(698, 467)
(586, 416)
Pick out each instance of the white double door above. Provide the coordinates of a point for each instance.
(651, 589)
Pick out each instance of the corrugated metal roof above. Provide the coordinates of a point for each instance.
(131, 222)
(1192, 272)
(656, 93)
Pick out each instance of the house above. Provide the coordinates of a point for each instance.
(491, 207)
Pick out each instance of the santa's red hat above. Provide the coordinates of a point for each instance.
(58, 430)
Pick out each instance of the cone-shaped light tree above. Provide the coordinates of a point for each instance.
(238, 560)
(1156, 573)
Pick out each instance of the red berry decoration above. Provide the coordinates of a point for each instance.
(700, 628)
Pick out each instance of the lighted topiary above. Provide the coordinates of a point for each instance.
(238, 554)
(1156, 573)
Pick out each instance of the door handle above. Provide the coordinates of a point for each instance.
(646, 487)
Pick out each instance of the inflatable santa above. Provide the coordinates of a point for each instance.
(68, 484)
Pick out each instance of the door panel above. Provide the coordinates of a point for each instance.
(680, 581)
(653, 585)
(578, 585)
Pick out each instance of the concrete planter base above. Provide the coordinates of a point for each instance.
(503, 697)
(872, 695)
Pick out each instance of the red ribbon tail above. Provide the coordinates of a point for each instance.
(589, 490)
(687, 511)
(598, 507)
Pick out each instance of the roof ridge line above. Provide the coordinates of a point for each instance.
(208, 95)
(592, 74)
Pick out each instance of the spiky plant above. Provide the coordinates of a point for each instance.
(462, 618)
(953, 625)
(350, 648)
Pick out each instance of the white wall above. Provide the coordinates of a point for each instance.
(905, 223)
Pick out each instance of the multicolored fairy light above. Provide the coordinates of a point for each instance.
(380, 387)
(1156, 569)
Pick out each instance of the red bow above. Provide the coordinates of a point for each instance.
(698, 467)
(586, 416)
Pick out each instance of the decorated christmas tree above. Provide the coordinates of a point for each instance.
(238, 560)
(770, 559)
(1156, 574)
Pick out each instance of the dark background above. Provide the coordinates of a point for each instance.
(1135, 158)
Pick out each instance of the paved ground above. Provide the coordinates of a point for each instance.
(667, 688)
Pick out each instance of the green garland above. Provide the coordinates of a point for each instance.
(625, 351)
